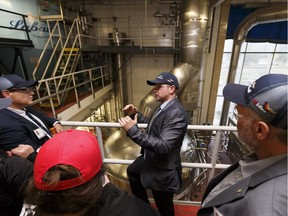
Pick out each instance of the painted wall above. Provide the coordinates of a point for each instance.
(38, 33)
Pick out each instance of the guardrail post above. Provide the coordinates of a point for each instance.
(215, 154)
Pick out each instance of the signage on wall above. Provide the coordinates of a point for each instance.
(39, 32)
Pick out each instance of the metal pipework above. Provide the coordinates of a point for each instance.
(118, 146)
(194, 19)
(261, 16)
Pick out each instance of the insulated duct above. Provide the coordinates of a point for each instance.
(261, 16)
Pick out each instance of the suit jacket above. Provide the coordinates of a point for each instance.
(162, 168)
(15, 129)
(263, 193)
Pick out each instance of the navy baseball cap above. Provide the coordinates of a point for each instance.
(164, 78)
(5, 102)
(267, 96)
(14, 81)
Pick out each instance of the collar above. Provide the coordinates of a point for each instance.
(17, 111)
(166, 102)
(250, 164)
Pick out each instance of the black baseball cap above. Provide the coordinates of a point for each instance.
(165, 78)
(14, 81)
(267, 96)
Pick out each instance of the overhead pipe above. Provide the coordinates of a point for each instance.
(261, 16)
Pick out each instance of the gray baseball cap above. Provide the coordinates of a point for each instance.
(5, 102)
(267, 96)
(14, 81)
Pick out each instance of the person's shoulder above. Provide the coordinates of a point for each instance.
(4, 112)
(121, 203)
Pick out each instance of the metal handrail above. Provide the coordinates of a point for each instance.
(213, 165)
(26, 30)
(49, 41)
(75, 87)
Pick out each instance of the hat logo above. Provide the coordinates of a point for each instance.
(170, 80)
(160, 77)
(251, 87)
(264, 108)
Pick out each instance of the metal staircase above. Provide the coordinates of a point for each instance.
(59, 57)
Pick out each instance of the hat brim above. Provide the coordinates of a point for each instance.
(27, 83)
(154, 82)
(235, 93)
(5, 102)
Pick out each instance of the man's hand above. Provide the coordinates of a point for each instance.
(130, 109)
(22, 151)
(58, 128)
(126, 122)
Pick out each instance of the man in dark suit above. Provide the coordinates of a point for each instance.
(257, 184)
(14, 172)
(19, 123)
(159, 166)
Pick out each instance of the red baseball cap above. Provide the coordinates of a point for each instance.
(76, 148)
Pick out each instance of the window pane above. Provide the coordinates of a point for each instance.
(244, 47)
(280, 63)
(260, 47)
(228, 45)
(282, 48)
(255, 65)
(218, 110)
(255, 60)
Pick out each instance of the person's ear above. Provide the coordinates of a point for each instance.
(172, 89)
(5, 93)
(262, 130)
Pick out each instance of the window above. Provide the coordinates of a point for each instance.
(256, 59)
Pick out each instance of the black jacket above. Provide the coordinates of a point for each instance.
(14, 173)
(115, 202)
(15, 129)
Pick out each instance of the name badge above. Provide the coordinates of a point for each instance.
(39, 133)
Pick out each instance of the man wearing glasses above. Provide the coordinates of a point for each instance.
(159, 166)
(257, 184)
(14, 173)
(19, 122)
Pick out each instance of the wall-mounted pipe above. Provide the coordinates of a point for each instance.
(194, 20)
(261, 16)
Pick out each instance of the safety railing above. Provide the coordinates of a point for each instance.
(107, 34)
(17, 31)
(137, 35)
(212, 165)
(85, 82)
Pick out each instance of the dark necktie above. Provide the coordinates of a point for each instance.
(38, 123)
(157, 111)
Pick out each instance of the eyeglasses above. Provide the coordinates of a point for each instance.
(236, 114)
(158, 86)
(27, 89)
